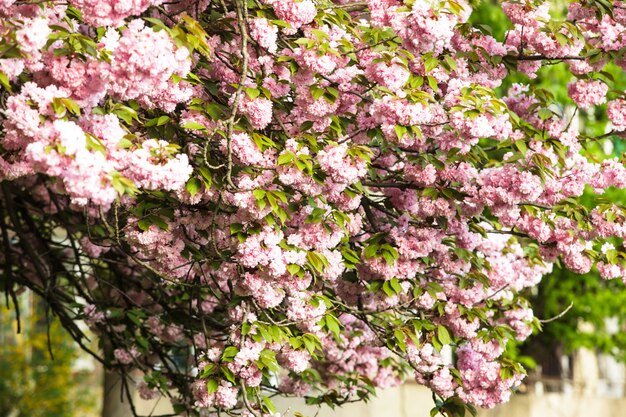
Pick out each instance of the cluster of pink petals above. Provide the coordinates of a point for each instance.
(587, 93)
(111, 12)
(264, 33)
(296, 13)
(616, 112)
(142, 65)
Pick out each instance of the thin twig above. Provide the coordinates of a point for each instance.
(558, 316)
(242, 16)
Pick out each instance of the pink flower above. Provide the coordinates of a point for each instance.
(111, 12)
(616, 111)
(142, 65)
(296, 13)
(341, 167)
(258, 111)
(295, 360)
(226, 396)
(246, 150)
(154, 167)
(33, 35)
(264, 33)
(587, 93)
(125, 357)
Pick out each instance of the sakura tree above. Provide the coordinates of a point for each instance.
(304, 198)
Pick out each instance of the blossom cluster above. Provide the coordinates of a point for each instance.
(284, 198)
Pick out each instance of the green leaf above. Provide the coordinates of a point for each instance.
(400, 131)
(306, 126)
(506, 372)
(58, 107)
(315, 260)
(94, 144)
(252, 92)
(269, 405)
(191, 125)
(285, 158)
(309, 345)
(293, 269)
(228, 374)
(443, 335)
(122, 184)
(124, 143)
(193, 186)
(211, 386)
(545, 114)
(611, 256)
(229, 353)
(144, 224)
(350, 255)
(430, 63)
(451, 63)
(388, 258)
(162, 120)
(281, 23)
(316, 91)
(432, 82)
(333, 324)
(436, 343)
(521, 145)
(387, 289)
(235, 228)
(395, 285)
(125, 113)
(157, 24)
(4, 81)
(71, 106)
(295, 342)
(371, 251)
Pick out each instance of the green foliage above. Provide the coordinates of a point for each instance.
(595, 320)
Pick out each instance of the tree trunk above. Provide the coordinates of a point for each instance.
(115, 399)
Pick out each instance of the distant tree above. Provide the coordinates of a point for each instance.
(34, 384)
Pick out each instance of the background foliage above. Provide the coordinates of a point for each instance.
(32, 384)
